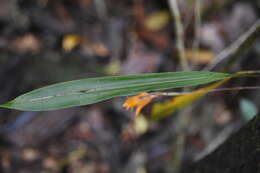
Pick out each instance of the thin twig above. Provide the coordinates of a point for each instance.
(101, 8)
(234, 47)
(184, 117)
(197, 14)
(205, 91)
(179, 34)
(218, 140)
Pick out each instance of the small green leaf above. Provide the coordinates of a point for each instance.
(248, 109)
(93, 90)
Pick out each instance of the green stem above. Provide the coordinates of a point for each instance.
(247, 73)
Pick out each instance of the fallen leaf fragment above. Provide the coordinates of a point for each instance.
(139, 101)
(157, 21)
(70, 41)
(27, 43)
(30, 154)
(101, 50)
(200, 57)
(140, 125)
(113, 68)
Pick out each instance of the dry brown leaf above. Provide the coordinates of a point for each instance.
(200, 56)
(27, 43)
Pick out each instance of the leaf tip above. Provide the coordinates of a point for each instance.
(6, 105)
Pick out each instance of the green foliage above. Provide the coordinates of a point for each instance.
(93, 90)
(248, 109)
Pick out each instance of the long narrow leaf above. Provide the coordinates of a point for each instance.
(92, 90)
(162, 110)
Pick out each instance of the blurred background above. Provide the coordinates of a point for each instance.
(48, 41)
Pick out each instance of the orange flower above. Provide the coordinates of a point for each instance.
(139, 101)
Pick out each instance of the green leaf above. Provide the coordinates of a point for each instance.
(93, 90)
(248, 109)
